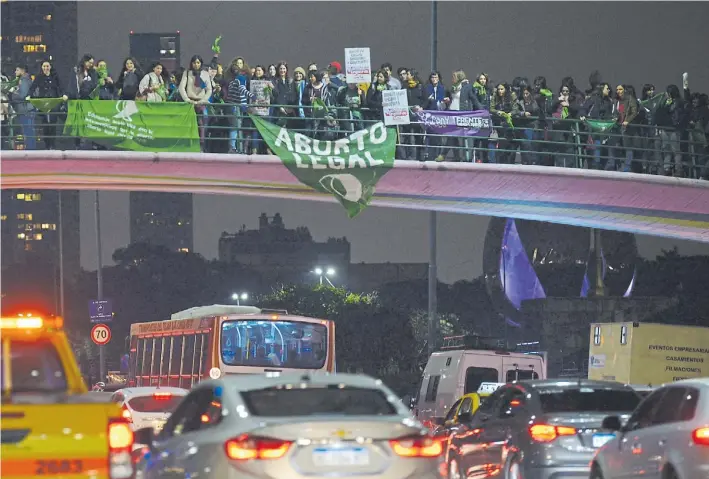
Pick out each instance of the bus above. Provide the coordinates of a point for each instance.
(209, 341)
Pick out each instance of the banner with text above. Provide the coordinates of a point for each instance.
(358, 65)
(456, 123)
(136, 126)
(348, 168)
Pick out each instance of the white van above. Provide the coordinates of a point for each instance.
(462, 365)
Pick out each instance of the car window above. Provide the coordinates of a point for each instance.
(475, 376)
(451, 411)
(512, 399)
(35, 367)
(467, 406)
(280, 402)
(432, 388)
(643, 415)
(587, 399)
(192, 414)
(488, 404)
(520, 375)
(689, 405)
(668, 410)
(157, 404)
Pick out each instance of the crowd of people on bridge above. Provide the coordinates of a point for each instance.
(658, 131)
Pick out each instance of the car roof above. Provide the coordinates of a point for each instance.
(249, 382)
(150, 390)
(573, 383)
(696, 382)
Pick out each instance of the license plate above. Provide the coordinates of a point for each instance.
(600, 439)
(356, 456)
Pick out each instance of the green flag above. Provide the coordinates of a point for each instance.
(45, 105)
(600, 126)
(136, 126)
(654, 102)
(348, 168)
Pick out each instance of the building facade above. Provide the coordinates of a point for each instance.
(368, 277)
(282, 255)
(30, 228)
(147, 48)
(36, 31)
(162, 219)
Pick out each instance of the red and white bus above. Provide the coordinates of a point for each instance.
(209, 341)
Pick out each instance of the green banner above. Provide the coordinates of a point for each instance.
(135, 125)
(45, 105)
(600, 126)
(348, 168)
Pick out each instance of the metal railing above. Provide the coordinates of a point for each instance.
(227, 128)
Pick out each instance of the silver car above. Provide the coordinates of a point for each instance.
(288, 427)
(539, 429)
(667, 436)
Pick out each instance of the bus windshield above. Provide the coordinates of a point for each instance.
(269, 344)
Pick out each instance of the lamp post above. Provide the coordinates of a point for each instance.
(432, 219)
(324, 274)
(239, 297)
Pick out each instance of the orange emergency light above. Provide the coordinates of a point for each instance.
(29, 321)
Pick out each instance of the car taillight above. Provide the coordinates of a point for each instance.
(417, 446)
(162, 396)
(548, 433)
(701, 436)
(120, 445)
(125, 414)
(245, 447)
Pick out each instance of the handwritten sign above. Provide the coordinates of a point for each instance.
(396, 107)
(358, 65)
(262, 96)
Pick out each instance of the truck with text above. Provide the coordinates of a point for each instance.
(647, 353)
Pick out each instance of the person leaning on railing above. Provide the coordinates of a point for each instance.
(46, 84)
(23, 108)
(196, 88)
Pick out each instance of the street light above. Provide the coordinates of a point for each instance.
(324, 273)
(238, 297)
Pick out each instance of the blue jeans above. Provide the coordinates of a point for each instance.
(26, 123)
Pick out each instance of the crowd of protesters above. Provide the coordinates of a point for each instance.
(543, 123)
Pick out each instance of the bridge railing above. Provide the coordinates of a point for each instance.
(572, 143)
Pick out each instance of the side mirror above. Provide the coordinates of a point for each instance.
(465, 417)
(612, 423)
(144, 436)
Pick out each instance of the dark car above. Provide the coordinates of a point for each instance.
(540, 429)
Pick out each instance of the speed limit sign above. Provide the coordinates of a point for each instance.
(101, 334)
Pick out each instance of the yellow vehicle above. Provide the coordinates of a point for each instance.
(51, 425)
(464, 408)
(647, 354)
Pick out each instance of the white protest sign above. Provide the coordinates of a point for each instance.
(396, 107)
(262, 96)
(358, 65)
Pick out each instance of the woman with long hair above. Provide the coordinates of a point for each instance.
(129, 79)
(196, 88)
(153, 86)
(46, 84)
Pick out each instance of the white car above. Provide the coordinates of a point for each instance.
(148, 406)
(666, 437)
(292, 426)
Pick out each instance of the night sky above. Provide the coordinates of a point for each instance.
(629, 42)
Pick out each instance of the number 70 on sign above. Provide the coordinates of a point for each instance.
(101, 334)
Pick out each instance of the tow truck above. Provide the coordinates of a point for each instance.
(51, 425)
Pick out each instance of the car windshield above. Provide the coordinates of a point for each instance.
(162, 404)
(318, 400)
(588, 399)
(34, 367)
(279, 344)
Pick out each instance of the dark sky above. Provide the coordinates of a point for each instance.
(629, 42)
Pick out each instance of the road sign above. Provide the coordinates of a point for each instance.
(101, 334)
(100, 311)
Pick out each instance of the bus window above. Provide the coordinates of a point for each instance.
(176, 356)
(204, 364)
(286, 344)
(189, 354)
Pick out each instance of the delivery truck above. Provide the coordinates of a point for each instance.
(647, 354)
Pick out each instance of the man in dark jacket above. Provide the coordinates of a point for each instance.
(23, 108)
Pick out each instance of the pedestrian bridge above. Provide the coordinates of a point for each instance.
(636, 203)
